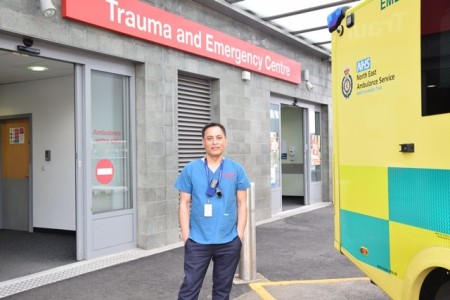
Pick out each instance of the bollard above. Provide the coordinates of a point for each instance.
(247, 265)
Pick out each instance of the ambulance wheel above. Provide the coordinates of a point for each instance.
(444, 292)
(436, 285)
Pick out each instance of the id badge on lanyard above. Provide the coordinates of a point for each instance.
(208, 210)
(212, 189)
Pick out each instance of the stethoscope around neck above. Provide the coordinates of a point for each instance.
(213, 184)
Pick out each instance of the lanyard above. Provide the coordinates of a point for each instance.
(207, 172)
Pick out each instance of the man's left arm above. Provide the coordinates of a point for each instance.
(241, 212)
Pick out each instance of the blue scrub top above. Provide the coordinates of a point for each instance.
(220, 228)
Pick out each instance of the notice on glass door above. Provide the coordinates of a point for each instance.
(17, 135)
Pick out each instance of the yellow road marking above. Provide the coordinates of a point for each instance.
(258, 287)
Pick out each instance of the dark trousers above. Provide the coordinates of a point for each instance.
(196, 261)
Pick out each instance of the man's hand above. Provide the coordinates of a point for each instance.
(242, 212)
(184, 215)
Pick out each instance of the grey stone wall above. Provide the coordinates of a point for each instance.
(243, 107)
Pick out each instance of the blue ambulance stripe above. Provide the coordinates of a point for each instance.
(358, 230)
(420, 198)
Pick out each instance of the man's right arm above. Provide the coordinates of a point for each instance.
(184, 214)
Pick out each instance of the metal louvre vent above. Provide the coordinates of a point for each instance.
(194, 111)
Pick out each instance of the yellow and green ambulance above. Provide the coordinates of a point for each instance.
(391, 143)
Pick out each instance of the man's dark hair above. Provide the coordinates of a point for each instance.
(213, 125)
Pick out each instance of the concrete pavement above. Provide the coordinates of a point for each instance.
(295, 259)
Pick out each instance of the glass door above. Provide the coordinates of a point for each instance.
(275, 158)
(315, 152)
(110, 143)
(110, 209)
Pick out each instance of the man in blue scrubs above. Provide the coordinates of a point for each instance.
(212, 215)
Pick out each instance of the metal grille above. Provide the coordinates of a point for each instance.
(194, 111)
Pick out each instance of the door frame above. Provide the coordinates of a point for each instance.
(276, 193)
(90, 219)
(312, 190)
(277, 203)
(315, 188)
(30, 169)
(83, 62)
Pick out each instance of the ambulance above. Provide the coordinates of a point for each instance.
(391, 143)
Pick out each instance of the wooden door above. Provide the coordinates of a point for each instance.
(15, 165)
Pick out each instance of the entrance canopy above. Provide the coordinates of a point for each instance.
(305, 20)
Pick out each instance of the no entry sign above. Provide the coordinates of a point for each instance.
(104, 171)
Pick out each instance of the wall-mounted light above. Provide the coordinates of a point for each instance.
(47, 8)
(246, 75)
(308, 84)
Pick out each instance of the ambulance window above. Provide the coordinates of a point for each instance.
(435, 27)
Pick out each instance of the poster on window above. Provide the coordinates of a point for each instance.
(274, 159)
(315, 150)
(17, 135)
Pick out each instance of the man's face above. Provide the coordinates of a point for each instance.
(214, 141)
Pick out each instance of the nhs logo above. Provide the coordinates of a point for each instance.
(363, 64)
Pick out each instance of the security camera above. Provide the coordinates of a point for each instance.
(27, 42)
(308, 84)
(27, 48)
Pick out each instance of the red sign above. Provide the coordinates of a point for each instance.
(138, 19)
(104, 171)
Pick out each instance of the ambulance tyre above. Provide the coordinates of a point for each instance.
(443, 292)
(436, 285)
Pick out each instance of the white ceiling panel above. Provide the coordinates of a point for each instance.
(305, 19)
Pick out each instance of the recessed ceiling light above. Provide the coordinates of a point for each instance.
(37, 68)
